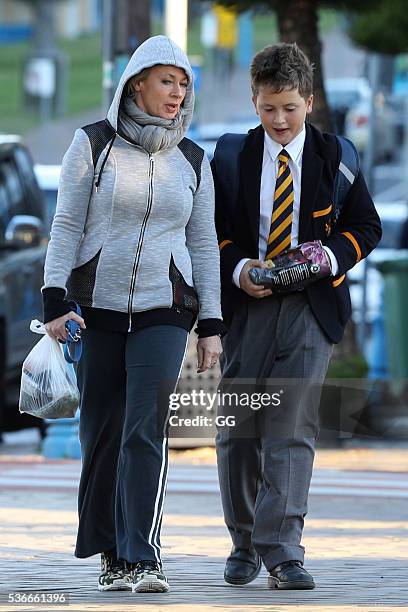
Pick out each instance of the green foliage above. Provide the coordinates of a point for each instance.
(11, 66)
(354, 366)
(384, 29)
(85, 81)
(84, 85)
(340, 5)
(265, 31)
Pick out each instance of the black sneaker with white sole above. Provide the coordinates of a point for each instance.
(115, 575)
(148, 577)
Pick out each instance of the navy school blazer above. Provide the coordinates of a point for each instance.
(353, 237)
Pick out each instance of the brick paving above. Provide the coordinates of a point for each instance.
(356, 546)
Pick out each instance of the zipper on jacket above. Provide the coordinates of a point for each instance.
(140, 241)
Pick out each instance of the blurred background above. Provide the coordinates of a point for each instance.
(60, 61)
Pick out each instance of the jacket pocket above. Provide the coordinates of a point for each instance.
(184, 296)
(323, 212)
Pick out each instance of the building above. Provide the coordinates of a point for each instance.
(73, 17)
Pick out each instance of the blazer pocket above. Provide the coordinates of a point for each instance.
(322, 220)
(322, 212)
(184, 296)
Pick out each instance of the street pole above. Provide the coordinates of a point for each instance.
(44, 29)
(370, 153)
(175, 21)
(374, 66)
(45, 70)
(107, 54)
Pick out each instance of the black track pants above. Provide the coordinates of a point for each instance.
(125, 380)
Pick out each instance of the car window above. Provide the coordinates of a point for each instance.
(24, 162)
(34, 205)
(13, 186)
(343, 98)
(4, 211)
(50, 204)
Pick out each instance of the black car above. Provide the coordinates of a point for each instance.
(23, 246)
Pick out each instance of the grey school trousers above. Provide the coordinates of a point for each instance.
(265, 460)
(125, 380)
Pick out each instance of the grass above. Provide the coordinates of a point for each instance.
(85, 68)
(354, 366)
(12, 117)
(84, 85)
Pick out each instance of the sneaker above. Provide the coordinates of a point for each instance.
(114, 573)
(147, 577)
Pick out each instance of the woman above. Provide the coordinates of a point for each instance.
(133, 242)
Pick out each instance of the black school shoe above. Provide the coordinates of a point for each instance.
(148, 577)
(114, 573)
(290, 575)
(242, 566)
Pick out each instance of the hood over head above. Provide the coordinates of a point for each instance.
(155, 50)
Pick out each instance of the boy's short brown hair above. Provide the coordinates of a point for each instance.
(282, 66)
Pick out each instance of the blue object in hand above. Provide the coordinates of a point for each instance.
(73, 344)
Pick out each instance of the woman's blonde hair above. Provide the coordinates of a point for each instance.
(141, 76)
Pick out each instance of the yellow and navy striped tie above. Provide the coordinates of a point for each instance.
(282, 213)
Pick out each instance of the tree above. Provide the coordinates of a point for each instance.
(132, 25)
(383, 30)
(298, 22)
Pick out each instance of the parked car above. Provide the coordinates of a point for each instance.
(22, 253)
(386, 129)
(48, 180)
(207, 134)
(344, 94)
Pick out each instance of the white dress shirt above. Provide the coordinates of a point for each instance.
(270, 166)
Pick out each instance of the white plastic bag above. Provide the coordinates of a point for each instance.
(48, 383)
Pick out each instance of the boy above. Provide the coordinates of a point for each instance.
(284, 198)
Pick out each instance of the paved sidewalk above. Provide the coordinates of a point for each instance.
(355, 543)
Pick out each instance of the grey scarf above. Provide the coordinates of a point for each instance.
(151, 133)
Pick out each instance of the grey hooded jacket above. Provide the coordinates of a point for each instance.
(120, 239)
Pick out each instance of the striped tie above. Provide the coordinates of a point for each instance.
(281, 224)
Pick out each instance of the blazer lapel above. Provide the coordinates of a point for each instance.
(312, 167)
(250, 180)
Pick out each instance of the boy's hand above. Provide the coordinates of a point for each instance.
(256, 291)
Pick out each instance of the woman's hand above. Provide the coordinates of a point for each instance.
(56, 328)
(208, 351)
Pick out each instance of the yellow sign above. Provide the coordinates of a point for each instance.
(227, 36)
